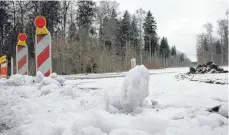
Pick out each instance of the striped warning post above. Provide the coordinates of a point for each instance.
(22, 59)
(43, 54)
(4, 69)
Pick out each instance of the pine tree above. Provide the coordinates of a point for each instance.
(72, 33)
(164, 48)
(150, 34)
(125, 29)
(173, 51)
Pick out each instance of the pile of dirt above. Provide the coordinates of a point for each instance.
(209, 67)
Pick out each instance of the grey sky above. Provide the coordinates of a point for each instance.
(180, 20)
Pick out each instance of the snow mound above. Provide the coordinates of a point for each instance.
(69, 91)
(90, 130)
(48, 85)
(19, 80)
(58, 78)
(39, 77)
(135, 88)
(123, 131)
(223, 110)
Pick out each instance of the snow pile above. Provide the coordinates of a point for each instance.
(39, 77)
(47, 85)
(123, 131)
(223, 110)
(19, 80)
(135, 88)
(58, 78)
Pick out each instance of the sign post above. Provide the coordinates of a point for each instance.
(22, 55)
(43, 47)
(12, 66)
(4, 66)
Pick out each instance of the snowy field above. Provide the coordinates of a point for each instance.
(92, 105)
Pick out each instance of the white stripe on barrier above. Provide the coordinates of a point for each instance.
(22, 53)
(23, 70)
(45, 41)
(45, 66)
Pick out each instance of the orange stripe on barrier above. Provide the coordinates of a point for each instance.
(22, 62)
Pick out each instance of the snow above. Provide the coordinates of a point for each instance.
(135, 88)
(92, 106)
(58, 78)
(39, 77)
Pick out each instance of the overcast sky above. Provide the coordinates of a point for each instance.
(180, 20)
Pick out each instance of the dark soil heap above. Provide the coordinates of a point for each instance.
(209, 67)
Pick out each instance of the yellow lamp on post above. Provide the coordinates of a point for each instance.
(22, 39)
(40, 23)
(2, 59)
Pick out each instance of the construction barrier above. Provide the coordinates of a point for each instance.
(22, 55)
(43, 47)
(4, 66)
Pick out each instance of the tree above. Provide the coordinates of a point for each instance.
(209, 29)
(140, 18)
(5, 25)
(173, 51)
(134, 35)
(164, 49)
(125, 29)
(51, 11)
(150, 34)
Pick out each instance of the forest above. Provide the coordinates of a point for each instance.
(92, 37)
(211, 46)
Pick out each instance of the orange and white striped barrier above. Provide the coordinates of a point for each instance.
(43, 47)
(4, 66)
(22, 55)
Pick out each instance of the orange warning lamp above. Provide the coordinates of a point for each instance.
(21, 39)
(40, 23)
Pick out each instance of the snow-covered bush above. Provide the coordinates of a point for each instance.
(135, 88)
(70, 91)
(58, 78)
(39, 77)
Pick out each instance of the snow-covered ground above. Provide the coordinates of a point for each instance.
(90, 105)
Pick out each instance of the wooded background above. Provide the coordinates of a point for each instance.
(213, 46)
(89, 36)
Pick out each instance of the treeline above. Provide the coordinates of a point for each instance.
(88, 36)
(213, 48)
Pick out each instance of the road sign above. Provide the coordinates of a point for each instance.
(22, 55)
(43, 47)
(4, 69)
(22, 39)
(3, 59)
(22, 60)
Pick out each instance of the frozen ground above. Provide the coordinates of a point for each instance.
(87, 106)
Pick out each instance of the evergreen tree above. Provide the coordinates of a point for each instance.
(150, 34)
(173, 51)
(164, 48)
(125, 29)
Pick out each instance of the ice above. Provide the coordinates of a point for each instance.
(39, 77)
(135, 88)
(58, 78)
